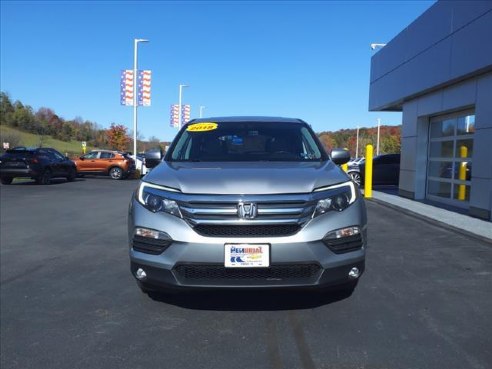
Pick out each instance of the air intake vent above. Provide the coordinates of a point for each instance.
(260, 230)
(190, 272)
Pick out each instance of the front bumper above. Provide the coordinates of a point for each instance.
(299, 260)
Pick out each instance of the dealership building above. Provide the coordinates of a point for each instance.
(438, 73)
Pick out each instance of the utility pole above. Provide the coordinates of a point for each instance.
(180, 106)
(377, 145)
(135, 100)
(357, 145)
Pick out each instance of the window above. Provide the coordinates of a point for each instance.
(106, 155)
(249, 141)
(57, 155)
(449, 168)
(91, 155)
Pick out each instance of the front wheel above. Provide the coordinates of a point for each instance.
(6, 180)
(116, 173)
(355, 177)
(45, 178)
(72, 173)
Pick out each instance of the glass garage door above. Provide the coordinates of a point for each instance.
(449, 168)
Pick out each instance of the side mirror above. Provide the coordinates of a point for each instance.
(81, 158)
(153, 157)
(340, 156)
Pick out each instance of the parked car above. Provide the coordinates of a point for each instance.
(140, 164)
(247, 202)
(106, 162)
(41, 164)
(385, 170)
(354, 163)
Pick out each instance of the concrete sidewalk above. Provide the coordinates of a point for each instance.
(459, 222)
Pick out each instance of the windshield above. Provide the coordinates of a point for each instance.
(246, 141)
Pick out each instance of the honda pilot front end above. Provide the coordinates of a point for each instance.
(247, 202)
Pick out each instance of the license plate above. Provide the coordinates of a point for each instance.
(246, 255)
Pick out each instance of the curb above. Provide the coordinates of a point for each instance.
(431, 220)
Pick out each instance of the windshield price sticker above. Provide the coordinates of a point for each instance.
(202, 127)
(247, 255)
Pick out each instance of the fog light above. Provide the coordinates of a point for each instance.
(354, 273)
(140, 274)
(342, 233)
(149, 233)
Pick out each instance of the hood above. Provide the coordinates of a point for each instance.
(247, 178)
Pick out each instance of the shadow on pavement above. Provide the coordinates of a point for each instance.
(251, 300)
(32, 182)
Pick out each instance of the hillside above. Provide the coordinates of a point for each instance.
(19, 138)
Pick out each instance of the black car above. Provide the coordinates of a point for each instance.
(40, 164)
(385, 170)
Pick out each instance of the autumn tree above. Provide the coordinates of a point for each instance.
(117, 137)
(391, 144)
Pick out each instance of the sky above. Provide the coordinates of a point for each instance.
(300, 59)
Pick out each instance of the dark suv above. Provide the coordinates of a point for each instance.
(385, 170)
(40, 164)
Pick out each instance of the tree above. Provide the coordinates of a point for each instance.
(391, 145)
(23, 117)
(6, 109)
(117, 137)
(327, 141)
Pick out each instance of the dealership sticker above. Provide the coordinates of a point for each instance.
(247, 255)
(202, 127)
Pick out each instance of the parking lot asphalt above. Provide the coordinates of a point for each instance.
(67, 298)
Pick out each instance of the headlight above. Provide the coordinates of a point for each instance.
(154, 198)
(338, 198)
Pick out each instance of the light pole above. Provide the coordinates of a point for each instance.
(201, 110)
(357, 144)
(135, 58)
(377, 145)
(179, 104)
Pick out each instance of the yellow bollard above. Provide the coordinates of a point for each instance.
(462, 174)
(368, 172)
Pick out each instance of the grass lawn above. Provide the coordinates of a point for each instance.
(73, 148)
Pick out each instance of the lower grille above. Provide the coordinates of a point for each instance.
(260, 230)
(150, 245)
(190, 272)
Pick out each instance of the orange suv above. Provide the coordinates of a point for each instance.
(106, 162)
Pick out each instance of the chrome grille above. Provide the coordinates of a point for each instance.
(269, 212)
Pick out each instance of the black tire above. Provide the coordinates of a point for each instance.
(72, 174)
(355, 176)
(116, 173)
(44, 178)
(6, 180)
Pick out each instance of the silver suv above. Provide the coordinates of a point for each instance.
(247, 202)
